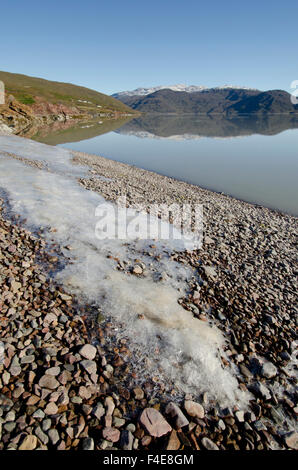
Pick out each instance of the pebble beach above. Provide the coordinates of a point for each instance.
(68, 381)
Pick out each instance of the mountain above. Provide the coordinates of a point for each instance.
(148, 91)
(179, 87)
(31, 101)
(222, 100)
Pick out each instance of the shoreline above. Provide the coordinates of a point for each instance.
(247, 293)
(104, 167)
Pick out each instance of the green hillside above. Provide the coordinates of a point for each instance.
(31, 90)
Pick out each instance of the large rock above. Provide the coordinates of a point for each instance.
(291, 440)
(268, 370)
(48, 381)
(154, 422)
(29, 443)
(89, 366)
(208, 444)
(174, 411)
(173, 442)
(193, 409)
(88, 351)
(111, 434)
(126, 441)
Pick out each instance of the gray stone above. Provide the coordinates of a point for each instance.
(89, 366)
(54, 436)
(126, 440)
(174, 411)
(208, 444)
(88, 351)
(88, 443)
(268, 370)
(48, 381)
(98, 411)
(41, 435)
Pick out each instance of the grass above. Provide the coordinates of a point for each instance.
(25, 88)
(25, 99)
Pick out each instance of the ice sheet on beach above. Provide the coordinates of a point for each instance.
(176, 346)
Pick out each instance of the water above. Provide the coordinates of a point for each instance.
(251, 158)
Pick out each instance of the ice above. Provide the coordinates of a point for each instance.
(175, 346)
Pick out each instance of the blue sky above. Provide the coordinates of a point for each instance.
(119, 45)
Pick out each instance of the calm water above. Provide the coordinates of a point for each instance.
(252, 159)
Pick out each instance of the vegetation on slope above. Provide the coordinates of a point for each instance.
(31, 90)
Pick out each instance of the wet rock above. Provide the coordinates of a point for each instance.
(260, 390)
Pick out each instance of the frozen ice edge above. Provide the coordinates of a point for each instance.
(178, 347)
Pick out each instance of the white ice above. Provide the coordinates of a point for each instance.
(176, 346)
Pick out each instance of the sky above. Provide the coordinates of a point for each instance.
(118, 45)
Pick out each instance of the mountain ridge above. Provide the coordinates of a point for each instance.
(177, 87)
(220, 100)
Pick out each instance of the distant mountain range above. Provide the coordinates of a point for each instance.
(178, 87)
(228, 100)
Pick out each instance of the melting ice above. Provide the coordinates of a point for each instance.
(176, 346)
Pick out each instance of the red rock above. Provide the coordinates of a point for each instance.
(154, 422)
(111, 434)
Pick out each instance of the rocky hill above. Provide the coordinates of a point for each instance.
(32, 102)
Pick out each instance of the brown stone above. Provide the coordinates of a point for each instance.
(173, 442)
(154, 422)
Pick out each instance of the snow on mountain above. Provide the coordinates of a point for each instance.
(178, 87)
(148, 91)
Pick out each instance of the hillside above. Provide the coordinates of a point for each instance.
(211, 101)
(35, 102)
(31, 90)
